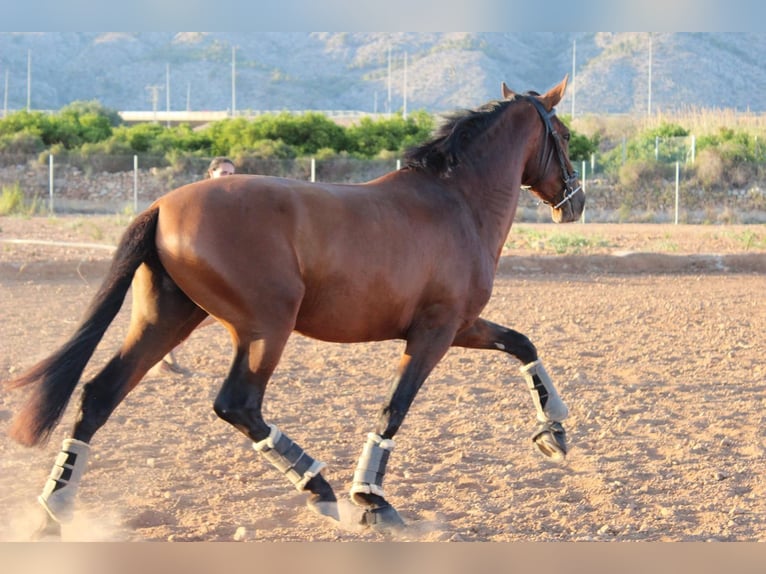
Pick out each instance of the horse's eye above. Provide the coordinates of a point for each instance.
(566, 136)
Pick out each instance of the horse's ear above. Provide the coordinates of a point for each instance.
(554, 95)
(508, 93)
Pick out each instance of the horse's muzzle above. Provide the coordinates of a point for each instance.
(570, 208)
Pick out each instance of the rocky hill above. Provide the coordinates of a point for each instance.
(351, 71)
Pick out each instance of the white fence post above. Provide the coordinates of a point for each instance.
(694, 147)
(313, 170)
(582, 183)
(50, 182)
(678, 170)
(135, 184)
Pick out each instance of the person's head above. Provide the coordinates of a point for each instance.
(220, 166)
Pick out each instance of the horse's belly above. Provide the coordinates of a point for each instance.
(342, 321)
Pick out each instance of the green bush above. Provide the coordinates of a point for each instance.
(72, 126)
(13, 202)
(369, 138)
(109, 156)
(141, 138)
(710, 168)
(581, 147)
(644, 185)
(737, 146)
(721, 167)
(304, 133)
(673, 146)
(24, 142)
(263, 149)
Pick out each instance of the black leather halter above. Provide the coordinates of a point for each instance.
(570, 178)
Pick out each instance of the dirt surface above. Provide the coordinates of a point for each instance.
(652, 334)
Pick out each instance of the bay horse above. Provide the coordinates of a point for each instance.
(411, 255)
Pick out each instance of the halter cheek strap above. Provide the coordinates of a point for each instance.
(570, 177)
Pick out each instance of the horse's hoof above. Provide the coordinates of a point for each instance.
(322, 499)
(551, 439)
(48, 530)
(382, 518)
(325, 508)
(167, 369)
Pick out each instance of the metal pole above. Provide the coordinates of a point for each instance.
(574, 59)
(649, 102)
(135, 184)
(167, 95)
(233, 81)
(50, 182)
(694, 148)
(404, 114)
(5, 97)
(388, 103)
(582, 183)
(29, 80)
(678, 171)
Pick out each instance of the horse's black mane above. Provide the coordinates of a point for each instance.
(443, 151)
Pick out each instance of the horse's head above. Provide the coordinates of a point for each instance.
(549, 174)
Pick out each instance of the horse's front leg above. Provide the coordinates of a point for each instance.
(549, 436)
(425, 347)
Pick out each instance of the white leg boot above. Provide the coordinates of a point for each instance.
(550, 436)
(61, 487)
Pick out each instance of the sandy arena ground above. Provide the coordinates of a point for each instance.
(652, 333)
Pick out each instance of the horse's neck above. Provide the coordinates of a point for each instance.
(493, 184)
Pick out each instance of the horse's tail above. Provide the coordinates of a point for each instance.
(54, 379)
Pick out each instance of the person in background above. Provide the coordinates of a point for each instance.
(219, 167)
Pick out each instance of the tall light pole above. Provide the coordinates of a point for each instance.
(5, 97)
(233, 81)
(167, 95)
(574, 61)
(649, 100)
(29, 80)
(155, 91)
(404, 111)
(388, 102)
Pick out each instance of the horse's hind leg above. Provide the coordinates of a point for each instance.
(550, 436)
(161, 317)
(239, 403)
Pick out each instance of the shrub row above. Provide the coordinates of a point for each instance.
(92, 137)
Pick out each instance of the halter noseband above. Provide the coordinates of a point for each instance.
(570, 178)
